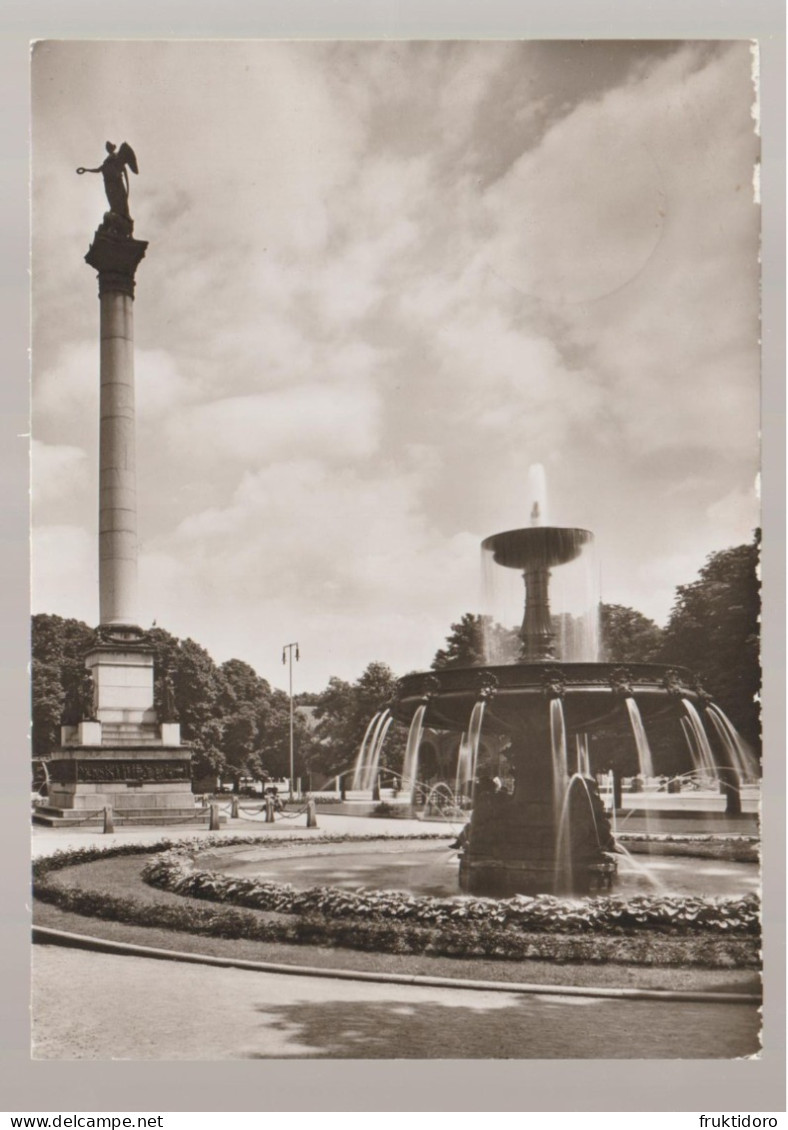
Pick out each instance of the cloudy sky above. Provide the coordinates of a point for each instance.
(383, 280)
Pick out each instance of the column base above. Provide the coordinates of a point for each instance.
(140, 783)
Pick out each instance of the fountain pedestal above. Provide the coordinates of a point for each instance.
(531, 842)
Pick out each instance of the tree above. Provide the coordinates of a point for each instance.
(627, 636)
(237, 725)
(58, 649)
(199, 690)
(48, 700)
(476, 640)
(464, 644)
(714, 630)
(344, 712)
(242, 702)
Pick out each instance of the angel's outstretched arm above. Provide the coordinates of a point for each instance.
(82, 170)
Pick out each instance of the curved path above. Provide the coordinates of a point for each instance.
(103, 1006)
(94, 1005)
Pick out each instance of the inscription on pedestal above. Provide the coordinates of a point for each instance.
(118, 772)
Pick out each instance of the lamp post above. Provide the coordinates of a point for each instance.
(287, 653)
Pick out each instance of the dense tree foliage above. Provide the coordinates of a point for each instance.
(237, 724)
(58, 647)
(464, 644)
(343, 713)
(627, 636)
(714, 630)
(475, 640)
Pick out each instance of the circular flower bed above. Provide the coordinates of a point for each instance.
(176, 871)
(647, 929)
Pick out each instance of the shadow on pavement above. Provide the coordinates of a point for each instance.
(540, 1027)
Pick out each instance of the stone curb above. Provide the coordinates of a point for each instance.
(45, 935)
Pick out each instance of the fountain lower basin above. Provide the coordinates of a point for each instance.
(549, 834)
(430, 869)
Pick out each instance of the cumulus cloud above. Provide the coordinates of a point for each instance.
(383, 280)
(58, 473)
(69, 389)
(65, 571)
(324, 420)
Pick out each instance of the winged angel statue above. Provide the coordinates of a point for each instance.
(116, 178)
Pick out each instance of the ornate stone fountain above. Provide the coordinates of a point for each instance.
(550, 833)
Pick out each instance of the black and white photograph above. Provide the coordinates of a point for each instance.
(396, 550)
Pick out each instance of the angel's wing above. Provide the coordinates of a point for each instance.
(126, 154)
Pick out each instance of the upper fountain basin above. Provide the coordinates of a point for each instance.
(590, 692)
(537, 546)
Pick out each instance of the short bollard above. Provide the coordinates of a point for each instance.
(311, 814)
(234, 808)
(108, 823)
(213, 818)
(269, 810)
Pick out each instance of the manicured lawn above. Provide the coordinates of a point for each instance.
(120, 877)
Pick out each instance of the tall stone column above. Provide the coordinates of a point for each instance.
(118, 753)
(116, 260)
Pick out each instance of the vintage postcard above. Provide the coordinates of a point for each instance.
(396, 550)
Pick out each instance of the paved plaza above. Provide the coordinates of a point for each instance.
(203, 1012)
(194, 1012)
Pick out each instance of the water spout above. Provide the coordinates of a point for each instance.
(692, 746)
(558, 749)
(611, 784)
(537, 493)
(583, 757)
(360, 764)
(645, 760)
(564, 868)
(474, 736)
(706, 757)
(463, 774)
(640, 868)
(374, 760)
(741, 758)
(410, 765)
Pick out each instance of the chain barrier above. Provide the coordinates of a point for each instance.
(294, 815)
(89, 817)
(97, 815)
(198, 818)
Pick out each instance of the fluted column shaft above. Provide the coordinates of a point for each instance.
(117, 465)
(116, 260)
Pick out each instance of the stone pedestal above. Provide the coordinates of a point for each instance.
(134, 781)
(520, 844)
(123, 757)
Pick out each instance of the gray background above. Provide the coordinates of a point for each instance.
(345, 1086)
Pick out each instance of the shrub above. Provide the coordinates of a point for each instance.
(385, 809)
(174, 871)
(649, 930)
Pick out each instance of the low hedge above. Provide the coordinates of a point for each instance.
(649, 931)
(175, 872)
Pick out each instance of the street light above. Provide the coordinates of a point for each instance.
(287, 653)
